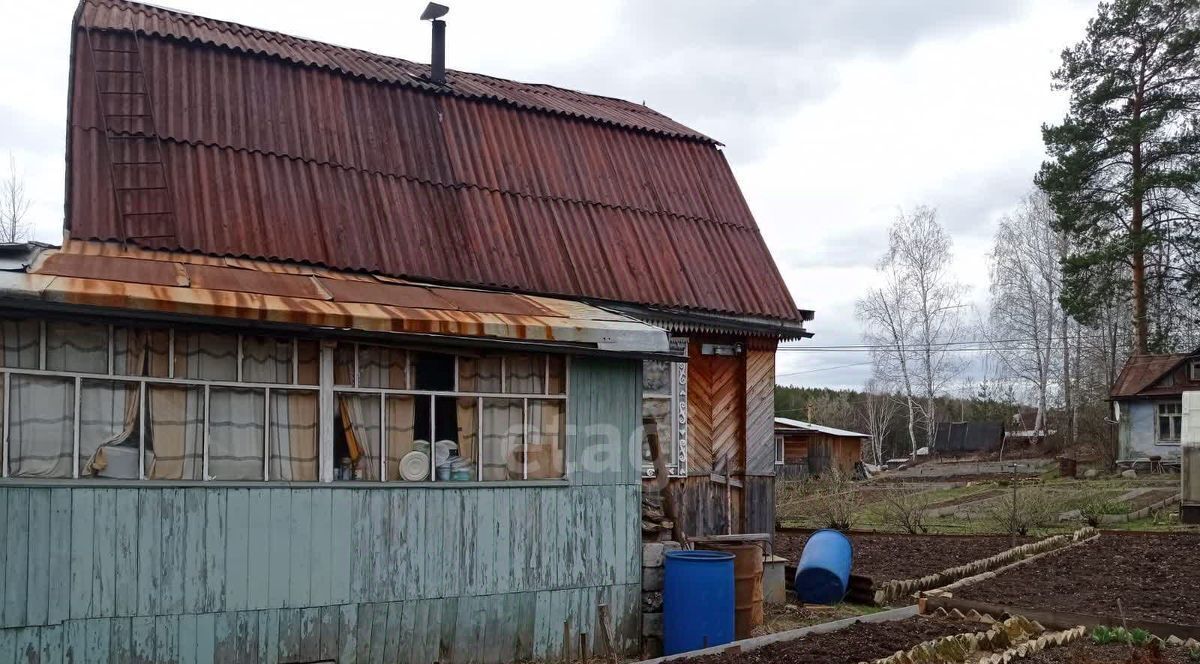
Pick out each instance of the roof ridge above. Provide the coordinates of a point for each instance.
(638, 117)
(433, 183)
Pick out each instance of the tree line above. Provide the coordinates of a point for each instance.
(1098, 262)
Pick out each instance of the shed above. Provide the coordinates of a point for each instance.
(337, 362)
(804, 449)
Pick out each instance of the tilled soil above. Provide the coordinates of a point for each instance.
(857, 643)
(1151, 497)
(885, 557)
(1153, 575)
(1086, 652)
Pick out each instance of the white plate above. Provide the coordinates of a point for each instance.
(414, 466)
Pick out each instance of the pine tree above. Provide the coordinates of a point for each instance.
(1124, 170)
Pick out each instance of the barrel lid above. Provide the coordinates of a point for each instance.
(706, 556)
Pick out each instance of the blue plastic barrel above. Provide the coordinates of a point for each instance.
(697, 600)
(823, 573)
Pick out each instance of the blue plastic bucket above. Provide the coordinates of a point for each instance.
(823, 573)
(697, 600)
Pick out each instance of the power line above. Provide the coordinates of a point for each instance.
(972, 345)
(808, 371)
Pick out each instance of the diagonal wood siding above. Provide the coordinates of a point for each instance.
(700, 414)
(760, 412)
(728, 412)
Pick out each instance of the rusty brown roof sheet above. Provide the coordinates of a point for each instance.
(200, 135)
(1141, 372)
(99, 274)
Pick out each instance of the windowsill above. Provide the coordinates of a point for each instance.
(1167, 443)
(216, 484)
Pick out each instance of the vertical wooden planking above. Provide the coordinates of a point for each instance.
(172, 556)
(8, 645)
(400, 545)
(16, 559)
(104, 547)
(206, 638)
(149, 542)
(364, 620)
(526, 617)
(258, 549)
(302, 546)
(431, 578)
(26, 643)
(379, 633)
(214, 550)
(268, 628)
(391, 639)
(4, 492)
(38, 575)
(82, 523)
(320, 572)
(330, 624)
(347, 633)
(125, 573)
(51, 643)
(419, 563)
(75, 646)
(342, 552)
(120, 639)
(279, 560)
(226, 638)
(141, 639)
(188, 638)
(168, 637)
(237, 549)
(98, 638)
(448, 629)
(544, 628)
(450, 544)
(408, 647)
(310, 633)
(360, 536)
(195, 574)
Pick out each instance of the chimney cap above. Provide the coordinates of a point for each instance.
(434, 11)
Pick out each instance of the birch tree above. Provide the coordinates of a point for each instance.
(14, 206)
(916, 316)
(1027, 326)
(878, 411)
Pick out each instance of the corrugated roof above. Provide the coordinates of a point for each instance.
(817, 428)
(107, 275)
(1141, 372)
(200, 135)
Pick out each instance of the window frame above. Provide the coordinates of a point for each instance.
(780, 456)
(677, 414)
(324, 389)
(1194, 369)
(1175, 420)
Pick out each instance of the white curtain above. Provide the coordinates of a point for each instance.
(205, 356)
(41, 427)
(525, 374)
(360, 420)
(266, 360)
(547, 438)
(76, 347)
(21, 346)
(382, 367)
(236, 433)
(294, 432)
(503, 427)
(467, 410)
(479, 374)
(401, 429)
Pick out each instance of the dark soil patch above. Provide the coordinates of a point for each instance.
(861, 642)
(1086, 652)
(1154, 575)
(885, 557)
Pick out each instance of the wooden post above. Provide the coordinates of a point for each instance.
(662, 480)
(605, 633)
(566, 653)
(583, 650)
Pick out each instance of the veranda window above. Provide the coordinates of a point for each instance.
(1170, 422)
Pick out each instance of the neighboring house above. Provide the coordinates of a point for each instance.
(803, 449)
(1148, 404)
(338, 361)
(952, 438)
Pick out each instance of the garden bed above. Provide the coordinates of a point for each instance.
(861, 642)
(1151, 497)
(1086, 652)
(884, 557)
(1153, 575)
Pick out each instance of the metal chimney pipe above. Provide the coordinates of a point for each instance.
(437, 62)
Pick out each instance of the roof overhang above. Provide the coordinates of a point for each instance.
(111, 280)
(699, 322)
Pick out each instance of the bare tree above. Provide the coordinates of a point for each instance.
(1027, 326)
(878, 411)
(916, 316)
(14, 205)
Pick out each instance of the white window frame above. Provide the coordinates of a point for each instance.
(325, 390)
(1194, 369)
(1176, 417)
(678, 415)
(779, 451)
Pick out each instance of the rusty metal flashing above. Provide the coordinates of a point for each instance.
(108, 280)
(698, 323)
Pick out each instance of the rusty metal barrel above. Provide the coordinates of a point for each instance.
(747, 584)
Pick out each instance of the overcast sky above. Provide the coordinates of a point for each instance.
(835, 114)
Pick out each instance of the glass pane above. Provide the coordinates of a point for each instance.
(308, 362)
(236, 433)
(558, 374)
(503, 435)
(464, 461)
(432, 371)
(525, 374)
(660, 410)
(139, 352)
(175, 433)
(479, 374)
(22, 349)
(547, 439)
(205, 356)
(266, 360)
(295, 428)
(379, 366)
(77, 347)
(343, 364)
(41, 427)
(403, 463)
(358, 437)
(108, 425)
(656, 377)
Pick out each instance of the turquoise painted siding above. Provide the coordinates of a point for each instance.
(1138, 432)
(226, 574)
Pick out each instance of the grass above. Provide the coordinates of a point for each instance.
(778, 618)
